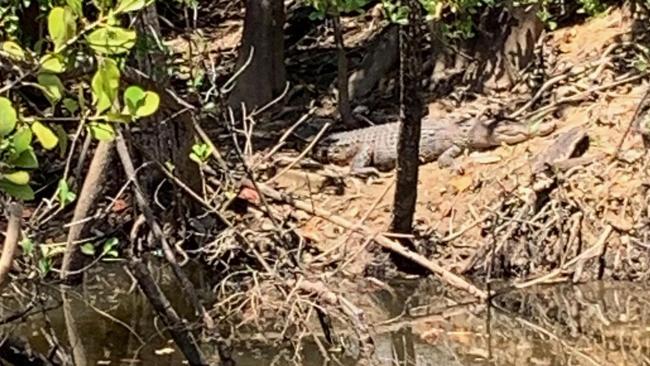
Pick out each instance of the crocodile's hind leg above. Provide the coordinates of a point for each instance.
(448, 159)
(360, 164)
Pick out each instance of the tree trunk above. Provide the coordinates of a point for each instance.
(511, 32)
(264, 77)
(411, 108)
(381, 58)
(495, 59)
(166, 137)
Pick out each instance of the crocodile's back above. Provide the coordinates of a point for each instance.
(342, 147)
(377, 145)
(384, 132)
(437, 137)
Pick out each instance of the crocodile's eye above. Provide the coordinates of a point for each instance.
(336, 152)
(339, 153)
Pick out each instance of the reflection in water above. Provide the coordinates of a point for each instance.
(75, 338)
(593, 324)
(105, 320)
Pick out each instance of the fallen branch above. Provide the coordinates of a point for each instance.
(445, 275)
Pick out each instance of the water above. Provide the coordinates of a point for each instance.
(592, 324)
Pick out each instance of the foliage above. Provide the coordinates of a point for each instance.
(323, 8)
(72, 43)
(109, 249)
(200, 153)
(457, 17)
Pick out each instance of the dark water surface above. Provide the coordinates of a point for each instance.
(592, 324)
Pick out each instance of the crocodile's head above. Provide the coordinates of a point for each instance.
(494, 132)
(332, 150)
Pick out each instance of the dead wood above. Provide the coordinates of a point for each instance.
(176, 326)
(73, 259)
(11, 242)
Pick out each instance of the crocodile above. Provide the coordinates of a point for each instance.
(441, 140)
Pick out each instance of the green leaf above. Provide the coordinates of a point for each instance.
(109, 245)
(64, 194)
(118, 117)
(52, 63)
(8, 117)
(200, 153)
(169, 166)
(63, 139)
(52, 87)
(75, 6)
(195, 158)
(14, 50)
(101, 131)
(150, 105)
(71, 105)
(125, 6)
(26, 159)
(111, 40)
(44, 266)
(22, 192)
(140, 103)
(45, 251)
(19, 177)
(22, 139)
(61, 25)
(105, 85)
(27, 245)
(45, 136)
(88, 249)
(133, 96)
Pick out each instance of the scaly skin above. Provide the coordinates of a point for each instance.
(442, 140)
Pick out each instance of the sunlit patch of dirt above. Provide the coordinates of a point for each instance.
(457, 205)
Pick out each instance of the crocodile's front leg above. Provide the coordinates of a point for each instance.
(448, 159)
(360, 164)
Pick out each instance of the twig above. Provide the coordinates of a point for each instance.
(271, 103)
(251, 175)
(582, 95)
(230, 83)
(302, 154)
(284, 137)
(579, 260)
(639, 109)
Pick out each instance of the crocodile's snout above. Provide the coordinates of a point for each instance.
(514, 133)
